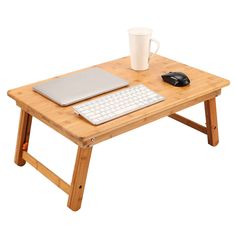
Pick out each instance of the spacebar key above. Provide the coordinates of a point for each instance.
(126, 110)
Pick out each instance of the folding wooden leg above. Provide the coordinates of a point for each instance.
(211, 122)
(23, 137)
(79, 178)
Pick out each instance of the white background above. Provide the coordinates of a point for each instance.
(161, 179)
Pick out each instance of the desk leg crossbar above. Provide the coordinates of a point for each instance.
(211, 129)
(76, 189)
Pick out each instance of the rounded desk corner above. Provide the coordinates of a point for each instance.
(228, 82)
(9, 93)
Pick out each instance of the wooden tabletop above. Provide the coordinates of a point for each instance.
(80, 131)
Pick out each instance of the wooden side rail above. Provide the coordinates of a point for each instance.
(46, 172)
(190, 123)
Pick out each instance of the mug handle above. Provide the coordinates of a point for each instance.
(157, 48)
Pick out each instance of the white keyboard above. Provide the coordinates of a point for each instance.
(117, 104)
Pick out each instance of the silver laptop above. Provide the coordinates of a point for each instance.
(78, 86)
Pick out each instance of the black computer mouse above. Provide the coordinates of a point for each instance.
(178, 79)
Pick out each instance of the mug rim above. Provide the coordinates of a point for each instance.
(140, 31)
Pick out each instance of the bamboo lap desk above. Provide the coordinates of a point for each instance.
(204, 87)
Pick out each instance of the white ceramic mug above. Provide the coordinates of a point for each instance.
(140, 45)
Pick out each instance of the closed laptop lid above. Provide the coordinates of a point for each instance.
(79, 85)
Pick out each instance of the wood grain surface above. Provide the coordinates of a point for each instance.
(204, 86)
